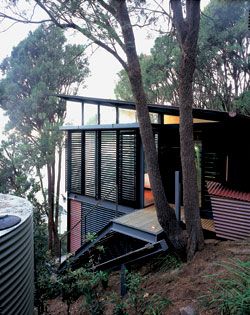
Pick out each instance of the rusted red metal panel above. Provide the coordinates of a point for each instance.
(217, 189)
(75, 233)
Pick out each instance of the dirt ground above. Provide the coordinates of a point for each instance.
(183, 286)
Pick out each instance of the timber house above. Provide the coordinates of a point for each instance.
(108, 190)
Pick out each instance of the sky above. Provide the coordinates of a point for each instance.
(103, 66)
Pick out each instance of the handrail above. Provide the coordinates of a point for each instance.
(84, 216)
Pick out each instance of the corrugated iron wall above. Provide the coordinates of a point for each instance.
(17, 270)
(75, 217)
(231, 218)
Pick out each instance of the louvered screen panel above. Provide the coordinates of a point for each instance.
(66, 162)
(214, 164)
(156, 136)
(127, 168)
(75, 233)
(76, 162)
(213, 169)
(90, 163)
(108, 165)
(98, 218)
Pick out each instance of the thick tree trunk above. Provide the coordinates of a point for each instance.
(187, 31)
(50, 208)
(165, 213)
(57, 249)
(52, 228)
(189, 173)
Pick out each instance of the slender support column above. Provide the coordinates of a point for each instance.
(177, 196)
(123, 287)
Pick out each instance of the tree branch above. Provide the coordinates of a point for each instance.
(178, 20)
(84, 32)
(24, 21)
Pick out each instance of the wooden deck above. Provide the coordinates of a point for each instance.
(146, 220)
(143, 219)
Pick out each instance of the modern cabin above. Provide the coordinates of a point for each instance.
(106, 173)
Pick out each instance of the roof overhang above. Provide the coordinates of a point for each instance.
(101, 127)
(206, 114)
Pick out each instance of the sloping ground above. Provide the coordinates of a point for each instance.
(183, 286)
(186, 286)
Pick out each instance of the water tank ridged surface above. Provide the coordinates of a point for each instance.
(16, 256)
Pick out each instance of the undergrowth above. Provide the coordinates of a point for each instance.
(137, 300)
(165, 263)
(230, 290)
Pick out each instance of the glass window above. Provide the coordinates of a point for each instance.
(127, 116)
(107, 115)
(171, 120)
(154, 118)
(73, 113)
(90, 114)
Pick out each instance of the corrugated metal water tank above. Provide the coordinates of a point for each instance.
(16, 256)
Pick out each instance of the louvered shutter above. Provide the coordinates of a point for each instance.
(67, 188)
(108, 168)
(156, 136)
(76, 162)
(90, 163)
(213, 169)
(127, 167)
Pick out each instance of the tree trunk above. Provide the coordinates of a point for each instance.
(187, 33)
(50, 208)
(57, 249)
(165, 213)
(52, 205)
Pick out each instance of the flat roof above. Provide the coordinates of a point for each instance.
(206, 114)
(100, 127)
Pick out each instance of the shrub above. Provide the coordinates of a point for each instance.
(88, 284)
(138, 301)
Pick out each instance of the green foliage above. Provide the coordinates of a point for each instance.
(223, 62)
(158, 73)
(15, 168)
(40, 66)
(91, 237)
(242, 103)
(82, 282)
(46, 286)
(120, 307)
(165, 263)
(222, 74)
(230, 291)
(138, 301)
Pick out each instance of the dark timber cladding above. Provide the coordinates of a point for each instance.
(104, 164)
